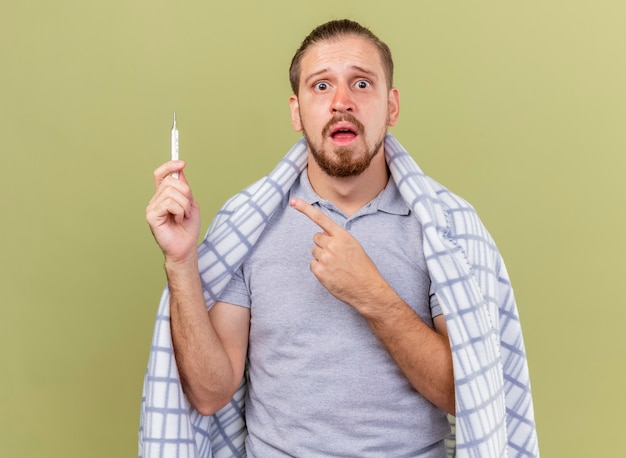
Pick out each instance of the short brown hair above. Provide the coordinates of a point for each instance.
(334, 30)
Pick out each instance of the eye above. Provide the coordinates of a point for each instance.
(363, 84)
(321, 86)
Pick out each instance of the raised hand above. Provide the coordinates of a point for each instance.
(173, 214)
(340, 262)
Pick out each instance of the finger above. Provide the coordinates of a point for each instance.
(160, 211)
(166, 170)
(320, 238)
(182, 178)
(170, 197)
(176, 211)
(170, 186)
(316, 253)
(315, 215)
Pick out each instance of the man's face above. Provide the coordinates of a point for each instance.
(343, 106)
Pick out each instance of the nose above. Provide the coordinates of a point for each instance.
(342, 100)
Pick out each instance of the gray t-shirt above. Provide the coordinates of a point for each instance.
(320, 382)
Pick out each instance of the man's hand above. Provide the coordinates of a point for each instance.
(342, 266)
(340, 262)
(173, 214)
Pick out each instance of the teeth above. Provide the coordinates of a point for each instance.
(345, 130)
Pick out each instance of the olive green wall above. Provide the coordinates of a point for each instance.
(520, 107)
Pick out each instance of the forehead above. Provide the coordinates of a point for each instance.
(341, 54)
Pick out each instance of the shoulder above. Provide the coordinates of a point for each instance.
(464, 228)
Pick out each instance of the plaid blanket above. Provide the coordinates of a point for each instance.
(494, 411)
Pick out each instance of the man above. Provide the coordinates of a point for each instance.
(332, 311)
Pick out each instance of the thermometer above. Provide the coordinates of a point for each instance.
(174, 144)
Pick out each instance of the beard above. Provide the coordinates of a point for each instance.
(344, 161)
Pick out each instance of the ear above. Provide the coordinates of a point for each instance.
(294, 107)
(394, 106)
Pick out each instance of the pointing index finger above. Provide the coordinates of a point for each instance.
(314, 215)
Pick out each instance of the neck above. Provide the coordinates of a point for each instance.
(350, 194)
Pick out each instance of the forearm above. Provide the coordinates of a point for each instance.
(206, 372)
(423, 355)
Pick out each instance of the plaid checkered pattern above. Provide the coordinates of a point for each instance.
(494, 411)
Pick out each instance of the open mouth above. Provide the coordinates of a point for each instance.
(343, 133)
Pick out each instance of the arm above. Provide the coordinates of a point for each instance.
(210, 348)
(423, 354)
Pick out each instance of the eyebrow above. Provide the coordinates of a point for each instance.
(358, 68)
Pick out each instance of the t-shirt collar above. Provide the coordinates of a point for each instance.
(389, 200)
